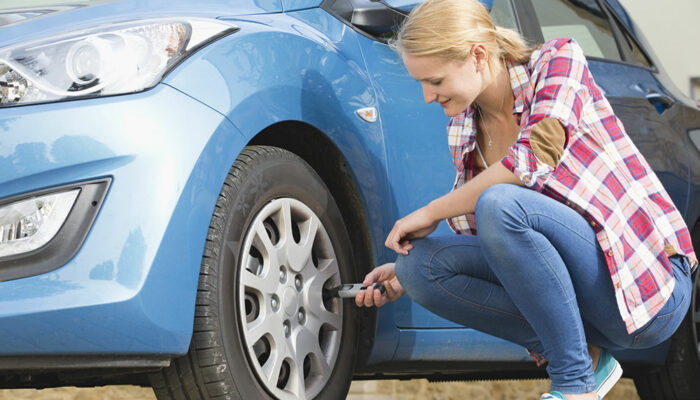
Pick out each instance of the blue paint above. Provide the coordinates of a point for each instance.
(295, 5)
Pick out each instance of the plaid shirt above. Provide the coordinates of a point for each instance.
(601, 174)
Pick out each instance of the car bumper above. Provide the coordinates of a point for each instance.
(131, 287)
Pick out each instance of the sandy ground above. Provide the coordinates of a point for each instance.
(418, 389)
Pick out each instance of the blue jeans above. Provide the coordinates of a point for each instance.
(536, 276)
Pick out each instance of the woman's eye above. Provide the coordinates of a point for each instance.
(435, 83)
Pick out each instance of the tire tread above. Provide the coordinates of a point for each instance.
(677, 379)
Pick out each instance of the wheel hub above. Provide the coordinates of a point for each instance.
(291, 301)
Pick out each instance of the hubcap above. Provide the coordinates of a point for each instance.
(293, 335)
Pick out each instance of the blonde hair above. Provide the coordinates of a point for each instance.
(450, 28)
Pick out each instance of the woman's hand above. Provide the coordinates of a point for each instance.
(415, 225)
(371, 297)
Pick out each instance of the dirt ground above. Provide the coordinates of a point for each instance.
(418, 389)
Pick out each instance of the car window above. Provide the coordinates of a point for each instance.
(638, 55)
(406, 5)
(582, 20)
(502, 14)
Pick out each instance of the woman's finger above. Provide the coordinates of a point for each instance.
(389, 290)
(378, 300)
(370, 278)
(405, 246)
(360, 298)
(390, 241)
(369, 296)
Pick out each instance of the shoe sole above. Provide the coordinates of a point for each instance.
(610, 381)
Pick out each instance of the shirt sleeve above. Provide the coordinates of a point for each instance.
(559, 77)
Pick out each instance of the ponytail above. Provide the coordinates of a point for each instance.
(512, 45)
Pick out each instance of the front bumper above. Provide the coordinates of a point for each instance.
(131, 287)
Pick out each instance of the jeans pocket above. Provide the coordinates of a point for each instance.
(662, 326)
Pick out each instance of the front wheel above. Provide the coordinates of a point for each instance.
(263, 328)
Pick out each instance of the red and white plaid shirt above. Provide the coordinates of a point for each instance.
(601, 174)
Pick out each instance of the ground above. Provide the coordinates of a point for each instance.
(359, 390)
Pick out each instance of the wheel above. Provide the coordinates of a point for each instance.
(679, 377)
(263, 328)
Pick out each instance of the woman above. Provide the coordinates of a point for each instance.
(568, 245)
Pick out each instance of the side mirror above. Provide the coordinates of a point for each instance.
(375, 17)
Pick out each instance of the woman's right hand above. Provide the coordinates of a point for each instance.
(372, 297)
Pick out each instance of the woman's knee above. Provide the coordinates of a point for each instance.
(411, 269)
(496, 206)
(409, 265)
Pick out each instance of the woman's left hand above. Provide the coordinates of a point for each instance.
(415, 225)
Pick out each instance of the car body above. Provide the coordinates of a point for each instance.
(120, 293)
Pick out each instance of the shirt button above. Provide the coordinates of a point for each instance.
(610, 253)
(593, 224)
(618, 284)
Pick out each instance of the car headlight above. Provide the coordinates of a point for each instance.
(113, 59)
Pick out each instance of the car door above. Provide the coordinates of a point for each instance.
(651, 115)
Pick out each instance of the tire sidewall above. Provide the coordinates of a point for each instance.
(272, 177)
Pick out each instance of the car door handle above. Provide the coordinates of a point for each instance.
(661, 101)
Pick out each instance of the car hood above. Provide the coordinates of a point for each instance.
(26, 20)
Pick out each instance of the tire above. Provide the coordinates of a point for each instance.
(259, 332)
(679, 377)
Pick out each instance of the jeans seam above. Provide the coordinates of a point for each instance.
(442, 288)
(594, 244)
(547, 263)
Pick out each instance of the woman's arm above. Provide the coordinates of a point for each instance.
(463, 200)
(423, 221)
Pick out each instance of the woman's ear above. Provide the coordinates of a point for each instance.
(481, 57)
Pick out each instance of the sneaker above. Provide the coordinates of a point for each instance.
(607, 373)
(554, 395)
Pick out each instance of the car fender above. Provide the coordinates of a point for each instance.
(304, 66)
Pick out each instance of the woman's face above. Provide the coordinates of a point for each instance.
(453, 84)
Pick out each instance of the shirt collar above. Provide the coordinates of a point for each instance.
(520, 83)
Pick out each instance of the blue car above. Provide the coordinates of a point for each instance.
(183, 182)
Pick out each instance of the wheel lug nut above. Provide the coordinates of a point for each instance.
(283, 274)
(297, 283)
(287, 329)
(274, 302)
(301, 316)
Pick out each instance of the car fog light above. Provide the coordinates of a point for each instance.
(29, 224)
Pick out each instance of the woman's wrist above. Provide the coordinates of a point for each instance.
(432, 210)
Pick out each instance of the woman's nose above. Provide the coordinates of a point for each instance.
(428, 95)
